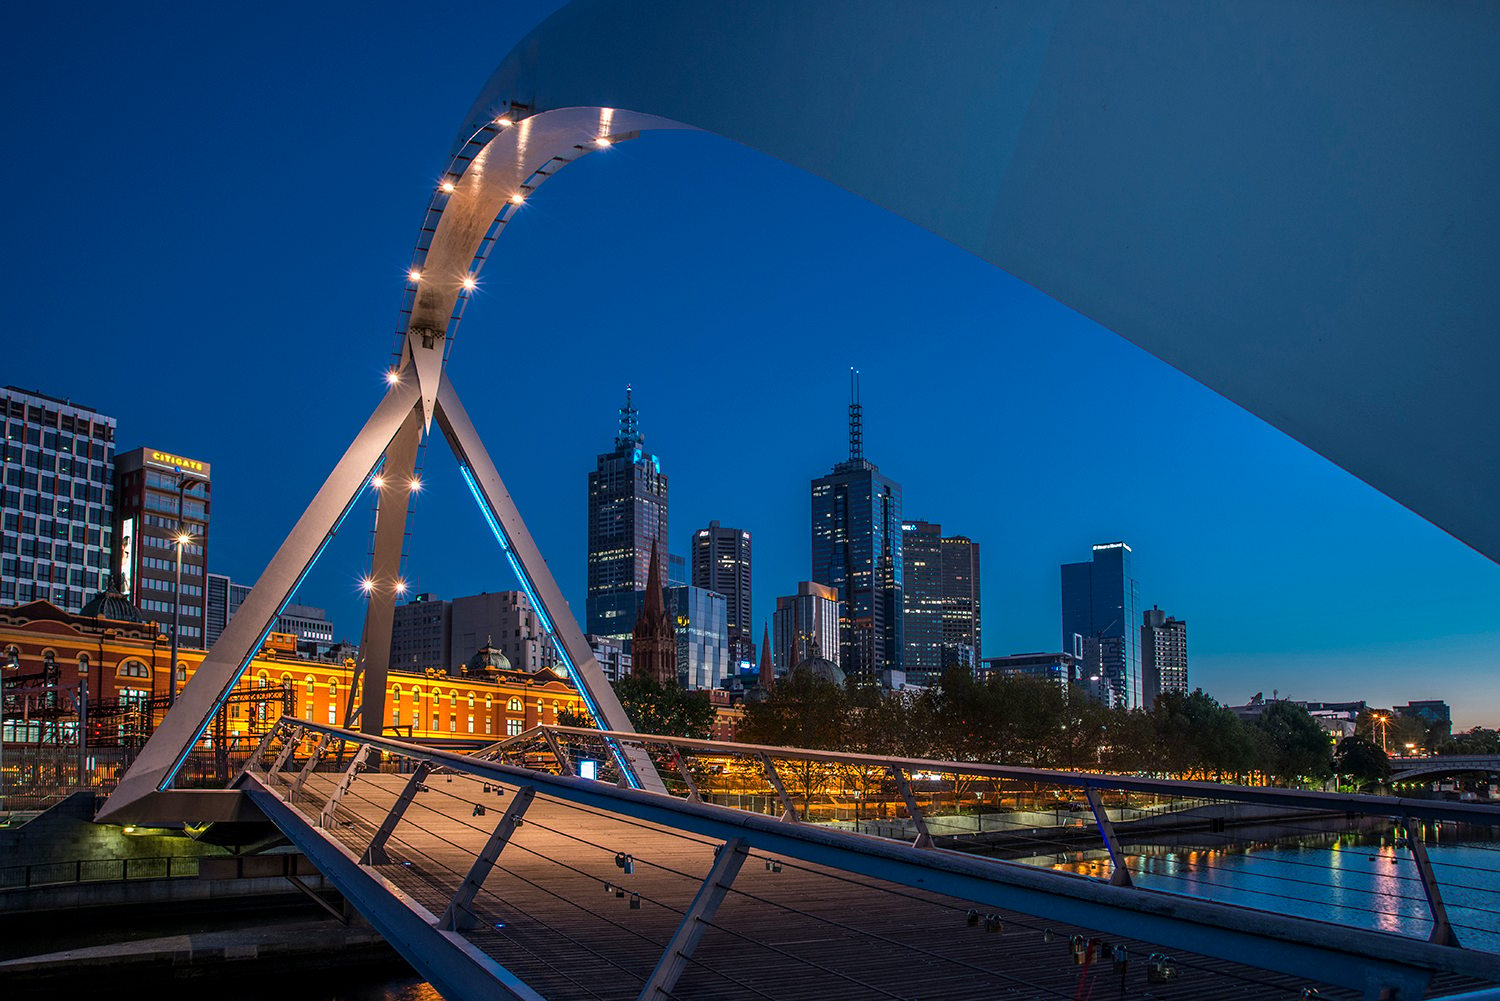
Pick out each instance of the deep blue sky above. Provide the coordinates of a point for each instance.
(207, 221)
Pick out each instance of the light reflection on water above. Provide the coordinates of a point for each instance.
(1361, 881)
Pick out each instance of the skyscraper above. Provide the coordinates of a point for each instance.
(805, 623)
(627, 516)
(1164, 666)
(941, 601)
(961, 618)
(721, 562)
(159, 496)
(1099, 601)
(699, 618)
(922, 566)
(57, 499)
(856, 549)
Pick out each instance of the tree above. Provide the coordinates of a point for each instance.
(1362, 760)
(665, 709)
(1200, 739)
(1296, 748)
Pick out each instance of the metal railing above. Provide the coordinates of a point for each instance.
(39, 874)
(403, 831)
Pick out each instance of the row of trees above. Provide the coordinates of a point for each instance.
(1024, 721)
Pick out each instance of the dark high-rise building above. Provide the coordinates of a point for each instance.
(421, 635)
(856, 549)
(653, 646)
(961, 618)
(922, 594)
(1099, 601)
(160, 496)
(1164, 663)
(805, 623)
(57, 500)
(627, 516)
(505, 620)
(941, 597)
(721, 562)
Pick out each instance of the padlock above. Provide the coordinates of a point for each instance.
(635, 901)
(992, 923)
(629, 864)
(619, 860)
(1159, 968)
(1122, 958)
(1079, 948)
(972, 918)
(479, 809)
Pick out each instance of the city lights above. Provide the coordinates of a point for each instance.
(414, 275)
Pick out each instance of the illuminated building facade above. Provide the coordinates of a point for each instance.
(653, 641)
(856, 549)
(57, 499)
(148, 522)
(1099, 602)
(922, 597)
(627, 516)
(805, 623)
(700, 620)
(1061, 669)
(721, 562)
(1164, 660)
(124, 658)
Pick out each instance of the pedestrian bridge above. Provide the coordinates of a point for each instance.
(776, 873)
(1406, 769)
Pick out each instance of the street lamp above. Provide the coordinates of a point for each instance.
(1382, 720)
(181, 540)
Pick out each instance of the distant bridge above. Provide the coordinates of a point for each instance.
(1403, 769)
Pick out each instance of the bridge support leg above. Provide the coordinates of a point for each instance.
(460, 914)
(375, 854)
(1442, 931)
(924, 837)
(1121, 874)
(356, 765)
(789, 811)
(705, 905)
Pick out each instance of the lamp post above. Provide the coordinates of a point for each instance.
(182, 539)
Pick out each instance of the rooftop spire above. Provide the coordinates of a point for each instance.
(630, 424)
(856, 426)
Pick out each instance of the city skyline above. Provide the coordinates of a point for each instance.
(1236, 528)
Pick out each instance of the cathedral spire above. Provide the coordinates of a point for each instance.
(767, 672)
(653, 647)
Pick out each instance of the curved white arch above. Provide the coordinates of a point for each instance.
(1291, 202)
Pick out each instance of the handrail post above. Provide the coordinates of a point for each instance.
(924, 837)
(288, 745)
(687, 776)
(564, 766)
(376, 854)
(729, 858)
(1442, 930)
(1121, 874)
(789, 811)
(459, 915)
(312, 762)
(356, 765)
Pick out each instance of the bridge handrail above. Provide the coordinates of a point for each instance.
(1356, 803)
(1336, 943)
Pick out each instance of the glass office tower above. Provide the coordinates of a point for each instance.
(856, 549)
(1100, 624)
(721, 562)
(627, 514)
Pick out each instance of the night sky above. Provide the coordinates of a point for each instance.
(208, 220)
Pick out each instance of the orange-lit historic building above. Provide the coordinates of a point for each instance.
(123, 658)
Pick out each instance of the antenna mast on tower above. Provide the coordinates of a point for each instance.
(856, 419)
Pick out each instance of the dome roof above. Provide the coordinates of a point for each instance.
(488, 660)
(820, 667)
(111, 604)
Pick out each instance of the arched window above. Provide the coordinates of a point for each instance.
(333, 688)
(514, 705)
(453, 697)
(263, 680)
(83, 663)
(182, 671)
(133, 669)
(312, 685)
(471, 700)
(416, 694)
(489, 701)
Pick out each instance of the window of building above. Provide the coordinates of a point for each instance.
(512, 727)
(133, 669)
(514, 705)
(83, 663)
(471, 722)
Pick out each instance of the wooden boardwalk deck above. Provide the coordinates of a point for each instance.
(803, 932)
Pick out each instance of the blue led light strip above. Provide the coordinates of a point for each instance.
(240, 672)
(541, 612)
